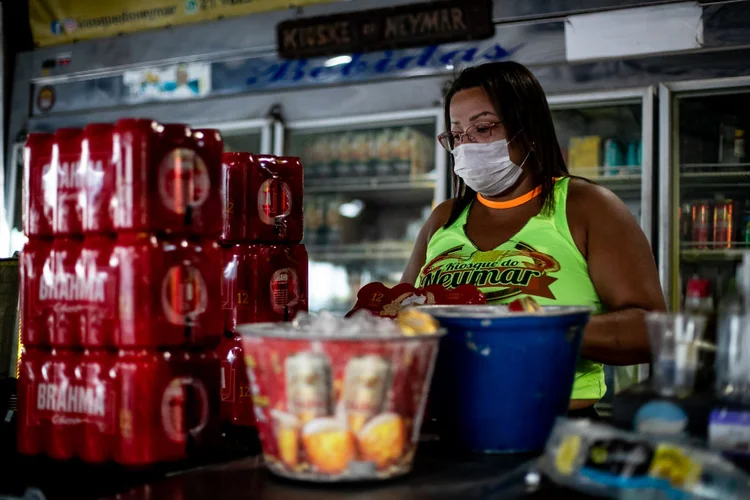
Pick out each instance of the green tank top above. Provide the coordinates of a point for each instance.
(540, 261)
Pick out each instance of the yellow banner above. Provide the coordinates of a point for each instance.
(56, 22)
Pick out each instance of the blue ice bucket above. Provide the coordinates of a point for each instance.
(502, 378)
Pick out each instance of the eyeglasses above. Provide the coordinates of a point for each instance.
(479, 132)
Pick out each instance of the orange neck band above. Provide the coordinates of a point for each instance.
(515, 202)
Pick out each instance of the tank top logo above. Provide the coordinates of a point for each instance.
(500, 274)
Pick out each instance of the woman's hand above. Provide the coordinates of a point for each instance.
(623, 271)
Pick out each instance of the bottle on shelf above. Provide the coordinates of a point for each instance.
(733, 356)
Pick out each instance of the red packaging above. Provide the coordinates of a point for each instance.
(165, 400)
(162, 184)
(339, 409)
(275, 200)
(388, 302)
(99, 321)
(69, 297)
(263, 283)
(234, 195)
(71, 192)
(723, 224)
(210, 149)
(236, 395)
(98, 164)
(169, 292)
(37, 284)
(701, 223)
(60, 404)
(30, 431)
(39, 186)
(96, 377)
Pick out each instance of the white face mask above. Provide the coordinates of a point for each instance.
(486, 167)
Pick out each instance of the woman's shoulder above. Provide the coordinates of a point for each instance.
(588, 201)
(440, 216)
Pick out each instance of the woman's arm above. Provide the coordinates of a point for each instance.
(438, 218)
(623, 271)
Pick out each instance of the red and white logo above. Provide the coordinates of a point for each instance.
(183, 295)
(183, 180)
(174, 404)
(274, 201)
(284, 289)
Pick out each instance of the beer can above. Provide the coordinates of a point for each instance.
(39, 186)
(36, 287)
(100, 267)
(723, 224)
(276, 184)
(700, 221)
(309, 389)
(98, 408)
(70, 294)
(169, 292)
(263, 283)
(163, 182)
(166, 400)
(236, 396)
(234, 195)
(366, 380)
(30, 439)
(746, 228)
(97, 164)
(71, 193)
(684, 216)
(60, 403)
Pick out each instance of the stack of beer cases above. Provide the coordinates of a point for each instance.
(264, 264)
(120, 291)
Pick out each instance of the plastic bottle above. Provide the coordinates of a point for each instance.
(733, 357)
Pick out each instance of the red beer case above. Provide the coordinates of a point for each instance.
(263, 283)
(71, 192)
(135, 407)
(99, 264)
(98, 163)
(39, 186)
(169, 292)
(263, 198)
(166, 182)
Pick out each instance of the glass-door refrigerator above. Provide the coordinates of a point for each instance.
(608, 138)
(704, 179)
(371, 181)
(251, 136)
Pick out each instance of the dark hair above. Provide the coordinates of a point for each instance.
(519, 99)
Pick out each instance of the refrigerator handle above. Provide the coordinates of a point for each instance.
(667, 189)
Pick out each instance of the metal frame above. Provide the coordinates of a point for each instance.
(264, 125)
(376, 119)
(646, 95)
(669, 174)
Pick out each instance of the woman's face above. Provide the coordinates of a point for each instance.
(472, 112)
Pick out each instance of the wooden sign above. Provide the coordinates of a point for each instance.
(399, 27)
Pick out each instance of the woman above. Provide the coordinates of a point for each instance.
(521, 226)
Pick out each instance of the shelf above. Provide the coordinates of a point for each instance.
(387, 250)
(691, 178)
(715, 254)
(627, 179)
(366, 184)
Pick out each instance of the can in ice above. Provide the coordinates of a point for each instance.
(366, 380)
(309, 389)
(39, 186)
